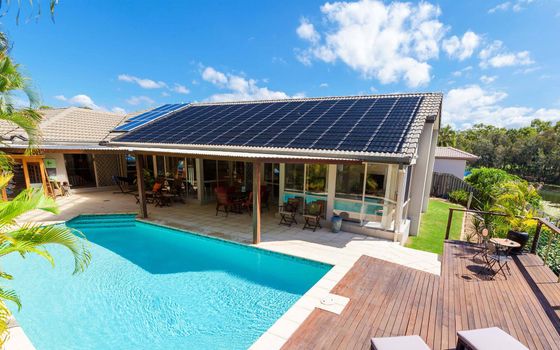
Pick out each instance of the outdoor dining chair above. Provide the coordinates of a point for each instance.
(288, 212)
(497, 258)
(312, 215)
(482, 244)
(224, 202)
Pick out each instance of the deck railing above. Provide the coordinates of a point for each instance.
(554, 230)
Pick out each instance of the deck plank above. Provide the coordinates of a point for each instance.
(387, 299)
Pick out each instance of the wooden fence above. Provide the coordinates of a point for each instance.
(442, 184)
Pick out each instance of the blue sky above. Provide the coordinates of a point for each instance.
(496, 61)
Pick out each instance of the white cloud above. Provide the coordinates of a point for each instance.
(495, 55)
(180, 89)
(461, 48)
(515, 6)
(487, 79)
(323, 85)
(240, 88)
(463, 107)
(307, 31)
(142, 82)
(118, 110)
(213, 76)
(390, 42)
(136, 100)
(80, 100)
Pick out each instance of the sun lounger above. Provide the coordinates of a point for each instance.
(410, 342)
(487, 339)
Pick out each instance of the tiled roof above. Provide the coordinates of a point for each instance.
(454, 153)
(356, 126)
(69, 126)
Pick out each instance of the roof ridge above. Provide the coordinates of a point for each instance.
(322, 98)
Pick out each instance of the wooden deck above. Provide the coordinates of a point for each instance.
(389, 300)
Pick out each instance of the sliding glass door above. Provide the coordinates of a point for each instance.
(366, 194)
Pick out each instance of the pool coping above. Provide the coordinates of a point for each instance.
(286, 325)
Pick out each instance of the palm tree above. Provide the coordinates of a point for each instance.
(26, 238)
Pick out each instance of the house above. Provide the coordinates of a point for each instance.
(69, 150)
(368, 159)
(453, 161)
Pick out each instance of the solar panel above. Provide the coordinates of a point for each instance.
(372, 124)
(154, 114)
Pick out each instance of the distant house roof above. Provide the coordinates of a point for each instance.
(75, 127)
(454, 153)
(357, 127)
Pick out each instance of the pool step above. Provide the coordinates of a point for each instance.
(102, 221)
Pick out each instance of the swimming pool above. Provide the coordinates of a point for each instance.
(152, 287)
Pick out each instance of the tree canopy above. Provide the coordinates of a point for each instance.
(531, 152)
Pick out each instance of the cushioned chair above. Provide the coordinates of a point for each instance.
(409, 342)
(487, 339)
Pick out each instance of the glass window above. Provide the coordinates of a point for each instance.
(209, 168)
(375, 180)
(350, 181)
(224, 177)
(294, 177)
(317, 178)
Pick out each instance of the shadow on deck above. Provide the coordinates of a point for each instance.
(390, 300)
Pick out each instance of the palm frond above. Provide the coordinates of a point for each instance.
(27, 200)
(31, 239)
(8, 294)
(4, 320)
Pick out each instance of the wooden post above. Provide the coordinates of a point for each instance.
(535, 243)
(256, 202)
(449, 219)
(469, 201)
(4, 195)
(141, 185)
(44, 177)
(25, 173)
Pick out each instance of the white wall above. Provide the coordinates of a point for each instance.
(450, 166)
(61, 174)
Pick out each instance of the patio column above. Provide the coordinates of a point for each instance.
(141, 185)
(331, 190)
(430, 175)
(257, 202)
(199, 180)
(401, 188)
(419, 178)
(281, 183)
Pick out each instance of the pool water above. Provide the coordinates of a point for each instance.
(151, 287)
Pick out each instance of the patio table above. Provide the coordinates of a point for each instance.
(506, 244)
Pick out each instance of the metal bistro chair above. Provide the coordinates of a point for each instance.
(497, 257)
(482, 244)
(288, 212)
(312, 215)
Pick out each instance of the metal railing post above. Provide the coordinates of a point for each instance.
(536, 238)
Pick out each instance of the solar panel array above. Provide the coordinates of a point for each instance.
(377, 124)
(144, 118)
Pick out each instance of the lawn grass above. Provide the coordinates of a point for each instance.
(433, 225)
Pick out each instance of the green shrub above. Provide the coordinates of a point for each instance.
(459, 196)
